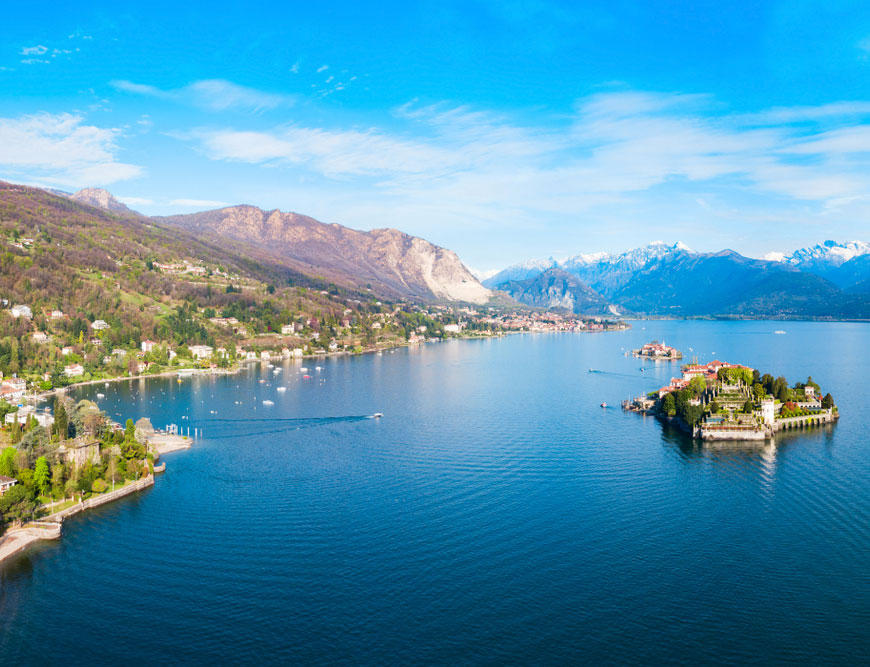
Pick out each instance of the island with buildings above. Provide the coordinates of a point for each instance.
(724, 401)
(658, 351)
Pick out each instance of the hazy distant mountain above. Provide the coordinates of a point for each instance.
(387, 260)
(556, 288)
(99, 198)
(519, 272)
(663, 279)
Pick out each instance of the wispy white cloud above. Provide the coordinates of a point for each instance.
(61, 149)
(613, 156)
(198, 203)
(322, 68)
(211, 94)
(37, 50)
(135, 201)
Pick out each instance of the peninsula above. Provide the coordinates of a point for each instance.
(55, 465)
(725, 401)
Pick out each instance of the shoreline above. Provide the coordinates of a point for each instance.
(50, 527)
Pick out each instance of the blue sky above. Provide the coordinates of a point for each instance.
(502, 130)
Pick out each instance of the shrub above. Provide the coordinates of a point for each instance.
(99, 485)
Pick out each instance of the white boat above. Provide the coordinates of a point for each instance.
(779, 332)
(318, 368)
(101, 395)
(276, 371)
(377, 415)
(604, 405)
(268, 402)
(303, 370)
(282, 388)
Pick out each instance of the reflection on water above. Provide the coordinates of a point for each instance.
(495, 513)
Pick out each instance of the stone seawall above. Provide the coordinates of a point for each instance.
(102, 499)
(49, 528)
(734, 434)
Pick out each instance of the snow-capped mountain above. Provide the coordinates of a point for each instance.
(827, 254)
(844, 264)
(828, 280)
(598, 270)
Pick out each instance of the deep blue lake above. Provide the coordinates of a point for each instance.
(495, 513)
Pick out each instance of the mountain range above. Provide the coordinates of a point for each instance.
(829, 280)
(387, 262)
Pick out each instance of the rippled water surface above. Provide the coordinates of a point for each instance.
(495, 513)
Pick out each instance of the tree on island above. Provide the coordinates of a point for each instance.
(747, 407)
(714, 407)
(669, 406)
(828, 401)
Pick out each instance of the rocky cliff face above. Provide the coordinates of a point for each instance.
(99, 198)
(387, 260)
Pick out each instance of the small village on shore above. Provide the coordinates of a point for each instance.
(60, 460)
(722, 401)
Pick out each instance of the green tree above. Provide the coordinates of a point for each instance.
(828, 401)
(15, 433)
(42, 476)
(129, 431)
(17, 504)
(714, 407)
(61, 420)
(7, 462)
(747, 407)
(669, 405)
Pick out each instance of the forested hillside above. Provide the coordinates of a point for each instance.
(72, 265)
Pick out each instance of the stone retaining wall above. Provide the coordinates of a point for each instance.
(102, 499)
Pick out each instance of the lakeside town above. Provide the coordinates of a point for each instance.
(60, 460)
(722, 401)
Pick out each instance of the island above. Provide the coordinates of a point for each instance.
(658, 351)
(726, 401)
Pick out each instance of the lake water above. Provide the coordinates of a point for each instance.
(496, 513)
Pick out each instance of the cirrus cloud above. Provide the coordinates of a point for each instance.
(61, 149)
(210, 94)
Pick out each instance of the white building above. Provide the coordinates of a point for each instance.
(6, 483)
(74, 370)
(11, 389)
(40, 337)
(67, 349)
(768, 411)
(147, 345)
(21, 311)
(201, 351)
(452, 328)
(56, 314)
(99, 325)
(288, 329)
(44, 419)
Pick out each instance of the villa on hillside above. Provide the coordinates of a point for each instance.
(6, 483)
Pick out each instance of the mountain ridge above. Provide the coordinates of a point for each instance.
(663, 279)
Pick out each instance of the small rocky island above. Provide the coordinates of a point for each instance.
(659, 351)
(724, 401)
